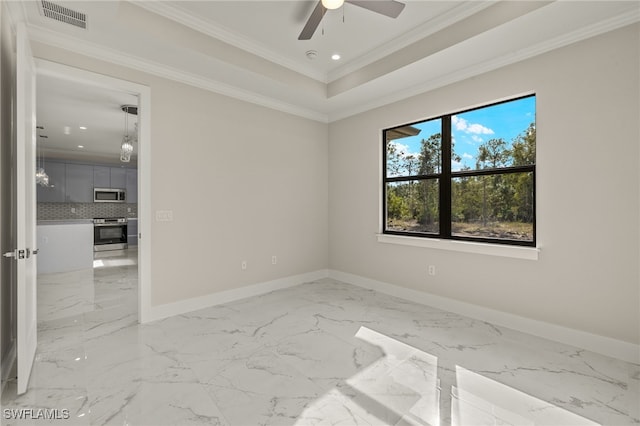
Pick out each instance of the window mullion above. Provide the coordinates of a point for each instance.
(445, 180)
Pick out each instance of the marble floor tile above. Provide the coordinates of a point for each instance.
(332, 409)
(262, 389)
(327, 359)
(319, 353)
(169, 404)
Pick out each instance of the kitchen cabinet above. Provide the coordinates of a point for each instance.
(101, 177)
(74, 183)
(132, 186)
(55, 192)
(118, 178)
(79, 183)
(109, 177)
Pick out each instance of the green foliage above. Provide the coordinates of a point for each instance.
(430, 154)
(396, 204)
(493, 154)
(523, 151)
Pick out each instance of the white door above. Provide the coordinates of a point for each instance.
(25, 208)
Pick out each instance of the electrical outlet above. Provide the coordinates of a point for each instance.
(243, 265)
(432, 270)
(274, 260)
(73, 209)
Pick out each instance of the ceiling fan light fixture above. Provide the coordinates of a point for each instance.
(332, 4)
(390, 8)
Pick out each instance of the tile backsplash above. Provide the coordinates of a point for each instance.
(58, 211)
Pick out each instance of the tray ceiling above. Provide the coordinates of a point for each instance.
(249, 49)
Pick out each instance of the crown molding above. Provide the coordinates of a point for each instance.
(103, 53)
(584, 33)
(107, 54)
(183, 17)
(428, 28)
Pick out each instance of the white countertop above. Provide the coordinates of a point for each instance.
(65, 222)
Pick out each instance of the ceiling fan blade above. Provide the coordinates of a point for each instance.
(312, 22)
(390, 8)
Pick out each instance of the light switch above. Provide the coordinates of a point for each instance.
(164, 215)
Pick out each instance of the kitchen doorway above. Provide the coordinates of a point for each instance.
(116, 285)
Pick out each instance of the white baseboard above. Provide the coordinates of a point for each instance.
(193, 304)
(7, 366)
(600, 344)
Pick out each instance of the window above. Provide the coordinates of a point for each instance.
(464, 176)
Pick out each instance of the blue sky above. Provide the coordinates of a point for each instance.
(473, 128)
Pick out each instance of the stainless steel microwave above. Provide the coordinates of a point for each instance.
(108, 195)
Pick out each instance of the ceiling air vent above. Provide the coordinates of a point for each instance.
(63, 14)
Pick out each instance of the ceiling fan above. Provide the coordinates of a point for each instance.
(390, 8)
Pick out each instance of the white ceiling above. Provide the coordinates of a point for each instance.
(249, 49)
(63, 108)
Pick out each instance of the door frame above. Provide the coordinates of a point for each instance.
(66, 72)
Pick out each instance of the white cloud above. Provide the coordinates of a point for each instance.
(477, 138)
(467, 156)
(464, 126)
(479, 129)
(401, 149)
(460, 123)
(404, 150)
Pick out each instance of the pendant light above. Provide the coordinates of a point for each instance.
(42, 178)
(126, 148)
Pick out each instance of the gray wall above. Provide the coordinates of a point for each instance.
(587, 276)
(7, 104)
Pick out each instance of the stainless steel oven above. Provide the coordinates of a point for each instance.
(109, 233)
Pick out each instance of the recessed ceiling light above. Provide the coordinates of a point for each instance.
(335, 56)
(80, 146)
(83, 128)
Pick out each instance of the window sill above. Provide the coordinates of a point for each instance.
(516, 252)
